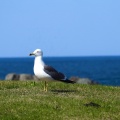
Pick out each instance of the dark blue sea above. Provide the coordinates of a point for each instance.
(104, 70)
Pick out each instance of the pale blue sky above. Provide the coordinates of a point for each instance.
(59, 27)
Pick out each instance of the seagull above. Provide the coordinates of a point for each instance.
(46, 72)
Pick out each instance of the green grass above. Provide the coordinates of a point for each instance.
(24, 100)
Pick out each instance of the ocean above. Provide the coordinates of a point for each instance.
(104, 70)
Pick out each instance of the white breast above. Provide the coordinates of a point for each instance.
(39, 69)
(39, 72)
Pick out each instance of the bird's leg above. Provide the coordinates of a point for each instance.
(45, 87)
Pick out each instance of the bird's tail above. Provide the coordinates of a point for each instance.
(67, 81)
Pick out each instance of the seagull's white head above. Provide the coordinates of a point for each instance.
(37, 52)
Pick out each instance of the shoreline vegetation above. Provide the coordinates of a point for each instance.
(23, 100)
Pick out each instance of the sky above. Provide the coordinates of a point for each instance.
(59, 27)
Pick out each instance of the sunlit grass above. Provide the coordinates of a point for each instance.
(26, 100)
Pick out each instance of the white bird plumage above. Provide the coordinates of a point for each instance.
(43, 71)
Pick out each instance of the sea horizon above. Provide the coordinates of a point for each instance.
(62, 56)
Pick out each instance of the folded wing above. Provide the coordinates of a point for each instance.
(56, 75)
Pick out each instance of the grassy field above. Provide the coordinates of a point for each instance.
(26, 100)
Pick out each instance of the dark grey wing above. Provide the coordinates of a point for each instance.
(54, 73)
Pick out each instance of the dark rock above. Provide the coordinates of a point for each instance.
(73, 78)
(26, 77)
(12, 76)
(83, 80)
(35, 78)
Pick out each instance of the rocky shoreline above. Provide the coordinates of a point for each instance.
(23, 77)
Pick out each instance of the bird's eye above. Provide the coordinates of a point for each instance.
(38, 51)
